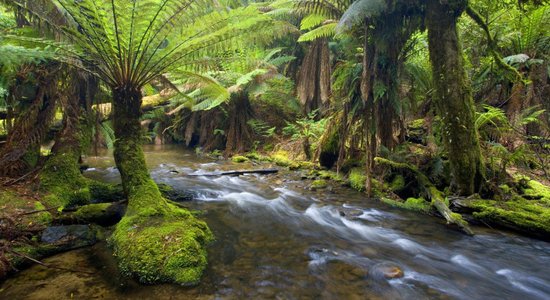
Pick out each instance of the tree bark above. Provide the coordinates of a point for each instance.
(239, 133)
(313, 82)
(453, 98)
(129, 158)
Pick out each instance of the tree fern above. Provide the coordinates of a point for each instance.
(326, 30)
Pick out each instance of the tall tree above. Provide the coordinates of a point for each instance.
(453, 96)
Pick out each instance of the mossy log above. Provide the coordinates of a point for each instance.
(438, 200)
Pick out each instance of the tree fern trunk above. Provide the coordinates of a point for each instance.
(137, 183)
(314, 77)
(453, 99)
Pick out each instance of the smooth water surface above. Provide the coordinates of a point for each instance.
(276, 239)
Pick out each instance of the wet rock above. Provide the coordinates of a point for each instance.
(348, 272)
(350, 213)
(386, 270)
(69, 237)
(175, 195)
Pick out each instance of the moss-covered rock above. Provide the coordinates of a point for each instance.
(281, 158)
(239, 159)
(167, 247)
(319, 184)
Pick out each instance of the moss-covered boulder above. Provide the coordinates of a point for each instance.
(239, 159)
(167, 246)
(319, 184)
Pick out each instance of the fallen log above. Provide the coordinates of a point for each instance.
(438, 200)
(239, 173)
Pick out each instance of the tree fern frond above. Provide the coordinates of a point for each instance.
(361, 10)
(327, 30)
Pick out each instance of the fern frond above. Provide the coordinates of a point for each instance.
(327, 30)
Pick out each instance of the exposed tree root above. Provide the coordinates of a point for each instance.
(438, 200)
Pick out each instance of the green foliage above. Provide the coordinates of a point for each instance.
(132, 42)
(324, 31)
(357, 179)
(361, 10)
(306, 127)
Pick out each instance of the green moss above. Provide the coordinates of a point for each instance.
(537, 190)
(518, 213)
(357, 179)
(417, 204)
(239, 159)
(319, 184)
(505, 189)
(417, 124)
(253, 156)
(61, 178)
(167, 247)
(43, 218)
(329, 175)
(398, 183)
(282, 159)
(91, 211)
(105, 192)
(9, 198)
(307, 165)
(32, 156)
(414, 204)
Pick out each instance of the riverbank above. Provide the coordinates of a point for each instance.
(278, 236)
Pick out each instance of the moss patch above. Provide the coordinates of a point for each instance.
(414, 204)
(61, 178)
(239, 159)
(357, 179)
(281, 158)
(524, 215)
(319, 184)
(168, 247)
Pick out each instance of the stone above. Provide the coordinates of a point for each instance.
(69, 237)
(386, 270)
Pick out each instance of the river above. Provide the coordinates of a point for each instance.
(277, 239)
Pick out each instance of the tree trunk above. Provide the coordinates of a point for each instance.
(367, 81)
(129, 158)
(239, 133)
(155, 241)
(314, 78)
(453, 98)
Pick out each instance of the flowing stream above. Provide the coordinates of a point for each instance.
(276, 239)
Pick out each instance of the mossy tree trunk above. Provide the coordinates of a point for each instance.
(367, 80)
(61, 176)
(155, 241)
(138, 186)
(453, 98)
